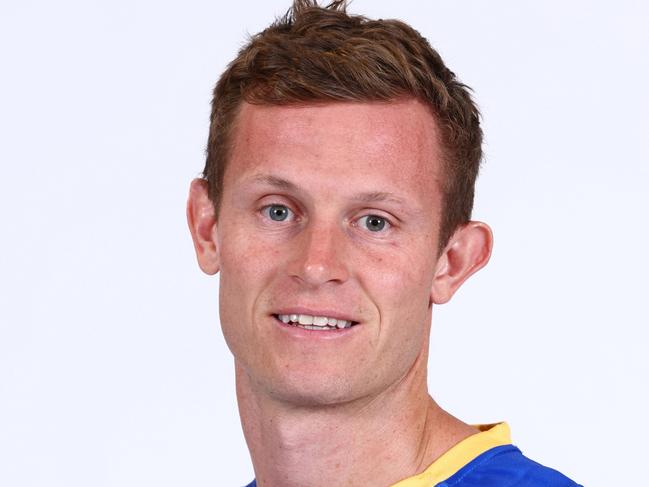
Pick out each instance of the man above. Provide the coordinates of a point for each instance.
(336, 204)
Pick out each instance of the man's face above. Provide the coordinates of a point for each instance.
(330, 210)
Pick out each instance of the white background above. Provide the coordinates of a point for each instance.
(113, 371)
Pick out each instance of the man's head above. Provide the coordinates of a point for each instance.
(338, 149)
(322, 55)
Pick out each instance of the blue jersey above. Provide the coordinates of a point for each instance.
(505, 466)
(486, 459)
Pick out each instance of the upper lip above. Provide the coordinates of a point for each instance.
(329, 313)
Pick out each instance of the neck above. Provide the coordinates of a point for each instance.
(385, 438)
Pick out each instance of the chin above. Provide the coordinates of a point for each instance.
(311, 399)
(313, 391)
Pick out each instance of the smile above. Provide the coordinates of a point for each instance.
(316, 323)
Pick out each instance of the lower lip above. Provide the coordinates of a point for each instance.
(300, 332)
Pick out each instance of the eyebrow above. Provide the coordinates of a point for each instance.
(366, 197)
(274, 181)
(374, 196)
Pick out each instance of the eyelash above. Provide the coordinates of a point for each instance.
(388, 222)
(264, 210)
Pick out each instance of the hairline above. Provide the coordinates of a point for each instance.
(441, 182)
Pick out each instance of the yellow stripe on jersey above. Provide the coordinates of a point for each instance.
(490, 436)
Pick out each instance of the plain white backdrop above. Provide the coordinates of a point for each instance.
(113, 370)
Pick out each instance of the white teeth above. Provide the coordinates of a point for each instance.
(305, 320)
(314, 322)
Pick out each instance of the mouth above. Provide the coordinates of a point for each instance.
(314, 323)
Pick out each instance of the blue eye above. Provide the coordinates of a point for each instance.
(374, 223)
(277, 213)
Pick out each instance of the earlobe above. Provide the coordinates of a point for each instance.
(467, 252)
(201, 218)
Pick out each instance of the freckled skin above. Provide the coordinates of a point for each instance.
(331, 152)
(335, 411)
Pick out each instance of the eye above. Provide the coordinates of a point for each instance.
(278, 213)
(374, 223)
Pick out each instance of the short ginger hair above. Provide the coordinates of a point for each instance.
(316, 54)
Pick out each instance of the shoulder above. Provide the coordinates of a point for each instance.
(506, 466)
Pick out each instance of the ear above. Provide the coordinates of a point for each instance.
(467, 251)
(201, 218)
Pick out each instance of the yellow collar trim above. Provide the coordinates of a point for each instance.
(490, 436)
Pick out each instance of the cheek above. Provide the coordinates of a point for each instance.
(405, 275)
(247, 268)
(400, 288)
(245, 256)
(249, 263)
(244, 264)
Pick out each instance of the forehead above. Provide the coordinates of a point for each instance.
(369, 143)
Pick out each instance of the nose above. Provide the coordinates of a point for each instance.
(319, 255)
